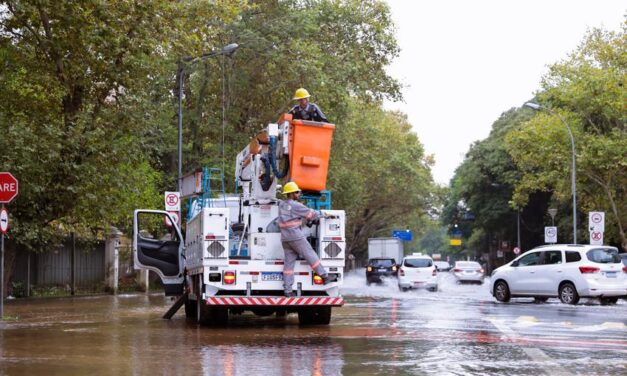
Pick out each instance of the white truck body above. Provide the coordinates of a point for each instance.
(386, 248)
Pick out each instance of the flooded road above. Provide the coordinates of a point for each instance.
(459, 330)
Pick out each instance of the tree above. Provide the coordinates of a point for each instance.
(587, 89)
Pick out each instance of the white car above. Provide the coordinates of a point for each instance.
(417, 271)
(565, 271)
(468, 271)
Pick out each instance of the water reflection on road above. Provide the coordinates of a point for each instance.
(459, 330)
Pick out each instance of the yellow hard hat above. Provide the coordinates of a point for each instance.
(301, 94)
(290, 187)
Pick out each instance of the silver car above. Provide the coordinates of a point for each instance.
(468, 271)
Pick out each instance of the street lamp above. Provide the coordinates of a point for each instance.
(226, 50)
(537, 107)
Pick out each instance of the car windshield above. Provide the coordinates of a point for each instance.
(603, 255)
(467, 264)
(418, 263)
(381, 263)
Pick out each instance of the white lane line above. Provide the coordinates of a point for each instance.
(552, 367)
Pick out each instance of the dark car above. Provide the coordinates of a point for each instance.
(380, 267)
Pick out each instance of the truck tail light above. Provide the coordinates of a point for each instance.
(457, 270)
(317, 280)
(625, 269)
(401, 272)
(589, 269)
(229, 278)
(434, 272)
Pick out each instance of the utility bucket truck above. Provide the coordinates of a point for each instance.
(230, 259)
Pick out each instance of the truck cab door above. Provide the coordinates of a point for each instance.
(158, 246)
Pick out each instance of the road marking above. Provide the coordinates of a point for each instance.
(552, 367)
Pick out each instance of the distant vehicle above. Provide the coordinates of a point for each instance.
(442, 266)
(468, 271)
(623, 257)
(569, 272)
(380, 267)
(384, 256)
(417, 271)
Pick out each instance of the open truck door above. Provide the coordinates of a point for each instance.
(158, 246)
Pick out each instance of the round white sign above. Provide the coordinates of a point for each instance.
(4, 220)
(516, 250)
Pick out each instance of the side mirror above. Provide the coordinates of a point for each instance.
(515, 263)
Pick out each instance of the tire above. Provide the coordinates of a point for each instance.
(568, 294)
(501, 292)
(540, 299)
(433, 289)
(315, 316)
(190, 308)
(608, 301)
(402, 289)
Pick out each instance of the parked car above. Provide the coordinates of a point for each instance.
(442, 266)
(380, 267)
(468, 271)
(569, 272)
(417, 271)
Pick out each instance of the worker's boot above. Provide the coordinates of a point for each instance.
(329, 279)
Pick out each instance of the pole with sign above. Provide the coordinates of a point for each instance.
(550, 234)
(173, 206)
(9, 188)
(596, 224)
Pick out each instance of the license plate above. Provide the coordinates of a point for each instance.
(418, 284)
(271, 276)
(610, 274)
(383, 270)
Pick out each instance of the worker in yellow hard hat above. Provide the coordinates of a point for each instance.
(291, 216)
(305, 110)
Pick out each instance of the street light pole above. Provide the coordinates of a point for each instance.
(573, 188)
(226, 50)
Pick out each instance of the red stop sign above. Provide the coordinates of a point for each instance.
(8, 187)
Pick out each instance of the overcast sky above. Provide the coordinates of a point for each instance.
(465, 62)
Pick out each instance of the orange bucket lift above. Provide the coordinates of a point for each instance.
(309, 152)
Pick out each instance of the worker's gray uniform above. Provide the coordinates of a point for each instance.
(291, 216)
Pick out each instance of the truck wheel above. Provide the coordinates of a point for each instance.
(568, 293)
(219, 316)
(315, 316)
(190, 308)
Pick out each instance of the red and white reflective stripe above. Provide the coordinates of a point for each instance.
(275, 301)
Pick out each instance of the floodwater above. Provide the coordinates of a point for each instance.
(459, 330)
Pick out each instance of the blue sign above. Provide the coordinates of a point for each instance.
(404, 235)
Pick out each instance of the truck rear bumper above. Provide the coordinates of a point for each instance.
(273, 301)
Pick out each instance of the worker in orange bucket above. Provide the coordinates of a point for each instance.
(305, 110)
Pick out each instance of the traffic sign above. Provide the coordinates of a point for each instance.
(4, 220)
(550, 234)
(405, 235)
(8, 187)
(516, 250)
(172, 201)
(596, 237)
(596, 221)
